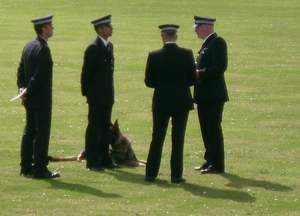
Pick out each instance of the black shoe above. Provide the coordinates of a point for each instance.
(45, 174)
(204, 166)
(177, 180)
(149, 179)
(95, 168)
(212, 170)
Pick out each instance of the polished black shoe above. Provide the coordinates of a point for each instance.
(204, 166)
(211, 170)
(178, 180)
(149, 179)
(46, 174)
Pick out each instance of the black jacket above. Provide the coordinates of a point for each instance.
(211, 86)
(97, 82)
(35, 74)
(171, 71)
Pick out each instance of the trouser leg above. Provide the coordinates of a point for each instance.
(179, 121)
(104, 138)
(217, 141)
(42, 119)
(27, 141)
(98, 135)
(203, 120)
(210, 120)
(91, 137)
(160, 124)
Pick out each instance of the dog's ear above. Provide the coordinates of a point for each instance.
(116, 124)
(116, 127)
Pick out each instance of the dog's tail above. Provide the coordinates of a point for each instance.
(79, 157)
(142, 162)
(66, 158)
(134, 163)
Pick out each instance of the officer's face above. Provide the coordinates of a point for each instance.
(108, 29)
(105, 31)
(204, 30)
(200, 31)
(48, 30)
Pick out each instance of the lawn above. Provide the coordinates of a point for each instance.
(261, 121)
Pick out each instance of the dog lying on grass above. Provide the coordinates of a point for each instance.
(120, 150)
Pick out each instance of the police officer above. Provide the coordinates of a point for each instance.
(170, 71)
(210, 93)
(98, 86)
(34, 79)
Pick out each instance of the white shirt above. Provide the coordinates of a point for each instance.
(103, 40)
(170, 42)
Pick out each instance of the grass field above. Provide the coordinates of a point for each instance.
(261, 122)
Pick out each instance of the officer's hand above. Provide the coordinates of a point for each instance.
(22, 92)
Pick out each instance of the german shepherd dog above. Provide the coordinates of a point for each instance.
(120, 149)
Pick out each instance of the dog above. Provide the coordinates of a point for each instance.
(121, 150)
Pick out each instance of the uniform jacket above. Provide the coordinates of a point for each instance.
(211, 86)
(35, 74)
(97, 82)
(171, 71)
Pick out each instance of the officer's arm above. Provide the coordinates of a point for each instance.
(39, 77)
(149, 73)
(219, 61)
(21, 74)
(191, 69)
(87, 69)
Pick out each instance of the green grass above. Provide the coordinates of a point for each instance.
(261, 122)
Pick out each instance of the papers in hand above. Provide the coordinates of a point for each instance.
(22, 92)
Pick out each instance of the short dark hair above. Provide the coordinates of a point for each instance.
(96, 28)
(38, 29)
(170, 34)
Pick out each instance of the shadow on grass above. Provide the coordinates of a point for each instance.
(57, 184)
(240, 182)
(215, 193)
(197, 190)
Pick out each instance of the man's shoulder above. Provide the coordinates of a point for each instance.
(93, 43)
(92, 46)
(155, 52)
(96, 44)
(34, 47)
(33, 43)
(219, 40)
(218, 44)
(180, 51)
(185, 50)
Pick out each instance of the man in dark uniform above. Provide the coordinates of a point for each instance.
(98, 86)
(170, 71)
(34, 80)
(211, 93)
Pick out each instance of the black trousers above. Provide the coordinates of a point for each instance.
(210, 118)
(97, 135)
(160, 125)
(35, 140)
